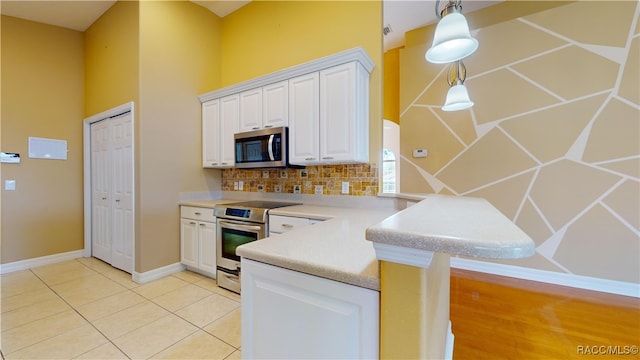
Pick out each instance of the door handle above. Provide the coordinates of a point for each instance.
(271, 157)
(232, 226)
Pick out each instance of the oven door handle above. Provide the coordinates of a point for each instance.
(271, 157)
(240, 227)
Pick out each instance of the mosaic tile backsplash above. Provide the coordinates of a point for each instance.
(321, 179)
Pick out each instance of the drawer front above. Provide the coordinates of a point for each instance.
(281, 224)
(197, 213)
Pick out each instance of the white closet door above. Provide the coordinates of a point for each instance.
(112, 228)
(100, 191)
(122, 192)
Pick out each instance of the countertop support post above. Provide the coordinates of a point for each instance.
(414, 310)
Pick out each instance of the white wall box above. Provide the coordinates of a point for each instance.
(328, 319)
(198, 239)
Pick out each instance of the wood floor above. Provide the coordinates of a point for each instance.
(504, 318)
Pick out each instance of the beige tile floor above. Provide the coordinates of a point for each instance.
(86, 309)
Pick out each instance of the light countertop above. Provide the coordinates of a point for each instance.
(335, 249)
(454, 225)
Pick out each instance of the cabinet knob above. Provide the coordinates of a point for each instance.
(327, 157)
(255, 128)
(197, 213)
(288, 226)
(192, 222)
(201, 224)
(311, 158)
(268, 126)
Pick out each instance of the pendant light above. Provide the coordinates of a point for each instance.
(452, 40)
(457, 96)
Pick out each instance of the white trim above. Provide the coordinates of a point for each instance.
(549, 277)
(158, 273)
(39, 261)
(448, 347)
(356, 54)
(403, 255)
(87, 168)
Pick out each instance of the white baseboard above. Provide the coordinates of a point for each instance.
(550, 277)
(40, 261)
(158, 273)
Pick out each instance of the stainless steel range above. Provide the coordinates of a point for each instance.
(239, 223)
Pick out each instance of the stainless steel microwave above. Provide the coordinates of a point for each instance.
(266, 148)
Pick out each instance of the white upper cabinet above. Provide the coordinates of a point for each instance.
(219, 124)
(325, 104)
(251, 110)
(211, 133)
(344, 114)
(304, 117)
(275, 101)
(329, 116)
(229, 109)
(264, 107)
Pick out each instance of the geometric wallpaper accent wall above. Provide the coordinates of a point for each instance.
(553, 140)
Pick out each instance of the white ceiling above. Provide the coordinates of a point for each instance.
(399, 15)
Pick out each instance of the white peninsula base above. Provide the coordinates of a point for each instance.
(291, 315)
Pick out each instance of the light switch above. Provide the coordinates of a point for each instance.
(9, 184)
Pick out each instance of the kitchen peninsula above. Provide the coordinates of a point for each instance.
(317, 292)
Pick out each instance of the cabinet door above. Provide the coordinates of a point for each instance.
(343, 118)
(189, 242)
(303, 119)
(250, 110)
(207, 247)
(327, 319)
(211, 133)
(229, 108)
(275, 105)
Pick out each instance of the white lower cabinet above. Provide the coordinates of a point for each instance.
(198, 239)
(291, 315)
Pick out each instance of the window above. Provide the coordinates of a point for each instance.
(388, 171)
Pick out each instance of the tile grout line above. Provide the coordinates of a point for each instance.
(78, 312)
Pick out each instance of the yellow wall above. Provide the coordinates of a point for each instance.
(267, 36)
(179, 59)
(42, 91)
(553, 139)
(392, 85)
(111, 59)
(161, 55)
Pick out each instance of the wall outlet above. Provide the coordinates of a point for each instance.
(277, 188)
(240, 185)
(235, 185)
(318, 189)
(296, 189)
(265, 174)
(345, 187)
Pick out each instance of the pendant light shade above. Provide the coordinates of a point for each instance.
(457, 96)
(457, 99)
(452, 40)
